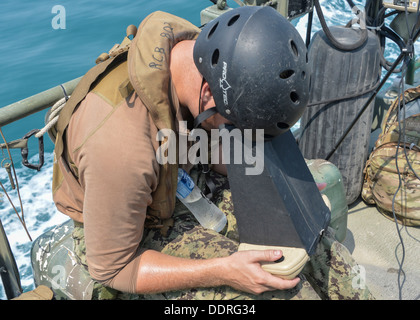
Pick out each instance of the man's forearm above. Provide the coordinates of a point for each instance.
(242, 271)
(159, 272)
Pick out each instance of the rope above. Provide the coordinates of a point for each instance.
(21, 217)
(53, 116)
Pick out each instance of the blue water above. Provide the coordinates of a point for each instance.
(36, 57)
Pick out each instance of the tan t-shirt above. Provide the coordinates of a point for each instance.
(114, 151)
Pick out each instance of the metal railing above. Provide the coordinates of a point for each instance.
(36, 103)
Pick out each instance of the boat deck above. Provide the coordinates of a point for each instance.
(392, 270)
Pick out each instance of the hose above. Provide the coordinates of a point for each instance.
(337, 44)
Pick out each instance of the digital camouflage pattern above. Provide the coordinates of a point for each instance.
(391, 182)
(330, 274)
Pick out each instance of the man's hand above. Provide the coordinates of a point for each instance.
(244, 272)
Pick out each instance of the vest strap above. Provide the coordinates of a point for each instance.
(79, 94)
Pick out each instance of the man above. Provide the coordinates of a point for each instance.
(130, 232)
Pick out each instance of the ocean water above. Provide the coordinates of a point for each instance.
(37, 55)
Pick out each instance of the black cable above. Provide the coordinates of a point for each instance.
(337, 44)
(390, 34)
(376, 21)
(64, 92)
(347, 97)
(309, 28)
(400, 264)
(386, 32)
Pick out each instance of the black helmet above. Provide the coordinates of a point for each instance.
(256, 65)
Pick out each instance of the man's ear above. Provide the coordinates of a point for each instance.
(206, 96)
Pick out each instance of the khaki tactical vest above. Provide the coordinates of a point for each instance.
(383, 178)
(147, 72)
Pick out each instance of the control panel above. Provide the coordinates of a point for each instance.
(400, 5)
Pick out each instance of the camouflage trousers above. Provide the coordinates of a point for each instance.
(329, 274)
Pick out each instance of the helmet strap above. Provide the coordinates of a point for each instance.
(203, 115)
